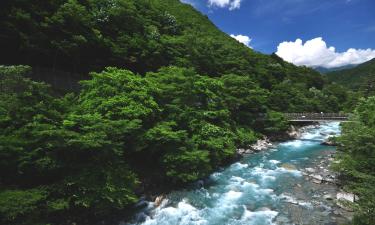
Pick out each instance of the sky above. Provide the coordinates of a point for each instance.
(326, 33)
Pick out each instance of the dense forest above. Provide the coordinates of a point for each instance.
(167, 100)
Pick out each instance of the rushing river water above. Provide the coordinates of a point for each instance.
(263, 188)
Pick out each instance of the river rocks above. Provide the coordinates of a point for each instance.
(317, 181)
(261, 144)
(320, 174)
(317, 177)
(329, 142)
(346, 196)
(265, 142)
(159, 200)
(243, 151)
(328, 197)
(310, 170)
(293, 132)
(288, 166)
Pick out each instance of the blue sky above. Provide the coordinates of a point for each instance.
(269, 24)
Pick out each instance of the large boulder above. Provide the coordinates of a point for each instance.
(346, 196)
(329, 142)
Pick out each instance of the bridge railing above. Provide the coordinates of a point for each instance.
(316, 116)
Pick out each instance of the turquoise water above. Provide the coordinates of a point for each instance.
(261, 189)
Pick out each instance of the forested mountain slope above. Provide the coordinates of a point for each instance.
(142, 35)
(360, 77)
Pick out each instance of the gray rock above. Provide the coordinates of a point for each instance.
(317, 181)
(317, 177)
(261, 144)
(336, 212)
(328, 197)
(346, 196)
(310, 170)
(328, 143)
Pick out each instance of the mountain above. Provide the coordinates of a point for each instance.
(140, 35)
(327, 70)
(355, 78)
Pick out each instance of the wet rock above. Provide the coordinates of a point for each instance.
(345, 199)
(316, 181)
(159, 200)
(329, 143)
(294, 133)
(346, 196)
(328, 197)
(317, 177)
(310, 170)
(242, 151)
(288, 166)
(261, 144)
(199, 184)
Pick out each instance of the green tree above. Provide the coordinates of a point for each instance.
(356, 159)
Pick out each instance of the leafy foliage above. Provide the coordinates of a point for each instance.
(357, 159)
(60, 161)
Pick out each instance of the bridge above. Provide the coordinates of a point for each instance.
(316, 117)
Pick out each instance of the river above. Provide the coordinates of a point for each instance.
(268, 187)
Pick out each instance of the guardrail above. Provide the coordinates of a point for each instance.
(316, 116)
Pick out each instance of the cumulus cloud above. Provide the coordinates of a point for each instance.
(231, 4)
(243, 39)
(316, 53)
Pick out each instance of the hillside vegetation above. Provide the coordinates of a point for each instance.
(169, 99)
(361, 77)
(356, 160)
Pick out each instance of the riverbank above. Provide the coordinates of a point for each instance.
(156, 192)
(269, 186)
(294, 132)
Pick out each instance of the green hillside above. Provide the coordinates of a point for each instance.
(142, 35)
(357, 78)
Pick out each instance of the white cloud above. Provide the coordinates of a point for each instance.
(243, 39)
(315, 52)
(231, 4)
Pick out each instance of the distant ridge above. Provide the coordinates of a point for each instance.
(324, 70)
(355, 78)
